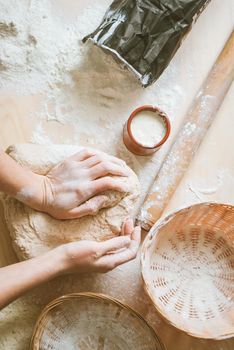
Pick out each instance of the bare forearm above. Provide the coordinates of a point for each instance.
(72, 189)
(79, 257)
(17, 181)
(17, 279)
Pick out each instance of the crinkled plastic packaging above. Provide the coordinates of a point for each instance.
(145, 34)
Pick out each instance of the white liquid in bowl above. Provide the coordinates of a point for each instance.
(148, 128)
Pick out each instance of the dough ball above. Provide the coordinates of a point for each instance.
(34, 233)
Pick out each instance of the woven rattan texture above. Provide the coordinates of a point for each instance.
(88, 321)
(188, 269)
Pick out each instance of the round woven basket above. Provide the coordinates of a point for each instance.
(188, 269)
(88, 321)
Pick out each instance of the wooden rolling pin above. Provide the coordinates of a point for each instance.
(188, 139)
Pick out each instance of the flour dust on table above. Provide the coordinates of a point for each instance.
(80, 86)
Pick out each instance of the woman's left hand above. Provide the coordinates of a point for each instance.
(90, 256)
(74, 187)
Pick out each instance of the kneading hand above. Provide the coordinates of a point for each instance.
(89, 256)
(79, 257)
(81, 177)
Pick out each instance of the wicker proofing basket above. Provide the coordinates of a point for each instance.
(188, 269)
(88, 321)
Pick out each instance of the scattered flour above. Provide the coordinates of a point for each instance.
(189, 128)
(82, 86)
(87, 89)
(202, 191)
(42, 52)
(39, 136)
(195, 192)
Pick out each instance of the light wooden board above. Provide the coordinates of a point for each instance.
(18, 120)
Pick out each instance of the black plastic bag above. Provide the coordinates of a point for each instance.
(145, 34)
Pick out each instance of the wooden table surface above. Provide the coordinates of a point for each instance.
(210, 177)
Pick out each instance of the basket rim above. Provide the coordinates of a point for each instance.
(150, 237)
(39, 327)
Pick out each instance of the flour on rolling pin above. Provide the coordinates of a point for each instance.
(190, 136)
(148, 128)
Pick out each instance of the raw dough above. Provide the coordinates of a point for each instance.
(34, 232)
